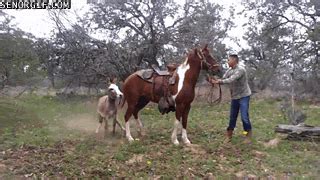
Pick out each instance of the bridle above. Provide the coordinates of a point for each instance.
(204, 61)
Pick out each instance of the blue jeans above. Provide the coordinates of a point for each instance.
(243, 105)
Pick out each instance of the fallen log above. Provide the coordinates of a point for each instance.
(298, 130)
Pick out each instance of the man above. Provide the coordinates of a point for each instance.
(236, 77)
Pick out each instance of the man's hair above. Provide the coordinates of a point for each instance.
(234, 56)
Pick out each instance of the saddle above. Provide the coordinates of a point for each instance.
(161, 81)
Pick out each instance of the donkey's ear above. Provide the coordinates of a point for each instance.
(114, 80)
(108, 80)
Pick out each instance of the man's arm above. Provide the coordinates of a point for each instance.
(226, 73)
(233, 77)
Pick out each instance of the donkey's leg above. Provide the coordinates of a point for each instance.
(184, 125)
(100, 118)
(141, 104)
(174, 138)
(106, 126)
(114, 125)
(127, 118)
(115, 122)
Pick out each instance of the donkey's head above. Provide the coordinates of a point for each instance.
(113, 90)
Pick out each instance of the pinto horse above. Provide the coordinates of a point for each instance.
(138, 92)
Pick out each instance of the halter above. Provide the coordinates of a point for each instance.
(203, 59)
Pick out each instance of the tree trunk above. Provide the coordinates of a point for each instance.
(298, 131)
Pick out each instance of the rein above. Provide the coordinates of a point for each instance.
(216, 101)
(203, 59)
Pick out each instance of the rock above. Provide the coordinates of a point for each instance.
(240, 174)
(251, 176)
(195, 149)
(135, 159)
(259, 154)
(209, 176)
(3, 168)
(272, 143)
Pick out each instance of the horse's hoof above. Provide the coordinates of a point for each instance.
(175, 142)
(130, 139)
(142, 133)
(186, 142)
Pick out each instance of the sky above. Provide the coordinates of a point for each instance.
(37, 22)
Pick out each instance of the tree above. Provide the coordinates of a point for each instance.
(203, 23)
(141, 24)
(293, 28)
(160, 31)
(18, 60)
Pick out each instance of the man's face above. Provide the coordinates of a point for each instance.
(232, 62)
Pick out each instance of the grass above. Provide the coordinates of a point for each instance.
(36, 142)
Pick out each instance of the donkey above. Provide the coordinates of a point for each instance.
(108, 106)
(138, 92)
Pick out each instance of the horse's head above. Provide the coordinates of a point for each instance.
(207, 60)
(113, 90)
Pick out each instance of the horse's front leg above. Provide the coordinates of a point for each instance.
(174, 138)
(184, 125)
(177, 124)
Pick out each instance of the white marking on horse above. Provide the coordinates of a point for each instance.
(182, 69)
(174, 132)
(128, 134)
(185, 137)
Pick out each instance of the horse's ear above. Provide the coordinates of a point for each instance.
(205, 47)
(197, 53)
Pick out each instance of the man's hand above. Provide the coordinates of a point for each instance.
(212, 80)
(215, 81)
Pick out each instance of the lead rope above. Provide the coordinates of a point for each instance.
(210, 95)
